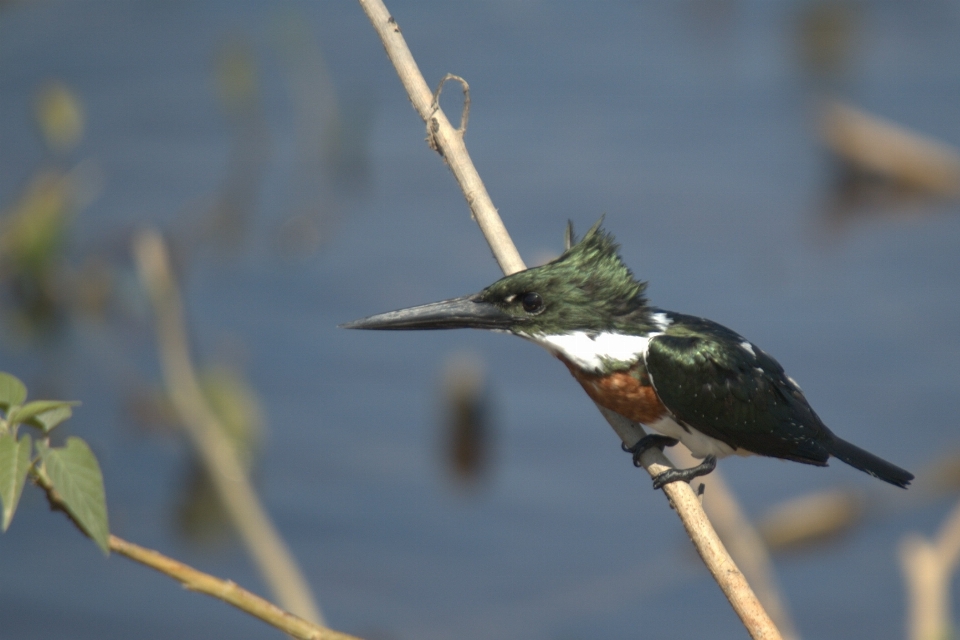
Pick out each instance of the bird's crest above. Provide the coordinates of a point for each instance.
(587, 288)
(597, 257)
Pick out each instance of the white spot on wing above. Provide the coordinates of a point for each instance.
(661, 320)
(746, 346)
(588, 351)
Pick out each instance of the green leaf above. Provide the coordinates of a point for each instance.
(50, 419)
(75, 474)
(12, 391)
(14, 464)
(45, 414)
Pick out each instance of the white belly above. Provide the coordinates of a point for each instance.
(700, 445)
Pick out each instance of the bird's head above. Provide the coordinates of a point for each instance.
(588, 288)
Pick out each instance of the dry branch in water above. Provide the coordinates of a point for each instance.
(890, 150)
(450, 145)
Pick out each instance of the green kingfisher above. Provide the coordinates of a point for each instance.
(688, 379)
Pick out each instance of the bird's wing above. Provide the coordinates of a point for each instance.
(714, 381)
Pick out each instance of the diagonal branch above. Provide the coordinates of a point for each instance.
(444, 138)
(449, 143)
(228, 591)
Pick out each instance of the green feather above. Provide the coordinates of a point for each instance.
(588, 288)
(712, 384)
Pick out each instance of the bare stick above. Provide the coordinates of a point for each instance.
(263, 542)
(744, 542)
(444, 138)
(449, 144)
(687, 505)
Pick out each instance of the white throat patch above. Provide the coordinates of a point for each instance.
(590, 351)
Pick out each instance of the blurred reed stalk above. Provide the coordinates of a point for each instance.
(260, 537)
(466, 420)
(449, 143)
(878, 146)
(928, 566)
(812, 518)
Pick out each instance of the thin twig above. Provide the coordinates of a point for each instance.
(268, 550)
(228, 591)
(465, 114)
(449, 143)
(451, 147)
(201, 582)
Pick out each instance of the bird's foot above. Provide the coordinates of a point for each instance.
(648, 441)
(685, 475)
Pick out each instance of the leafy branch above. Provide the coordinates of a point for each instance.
(71, 478)
(70, 472)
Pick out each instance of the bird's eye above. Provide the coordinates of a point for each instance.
(532, 302)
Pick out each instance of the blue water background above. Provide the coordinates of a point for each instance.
(691, 125)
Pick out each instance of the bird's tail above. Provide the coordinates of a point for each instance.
(869, 463)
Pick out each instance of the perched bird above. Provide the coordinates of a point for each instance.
(688, 379)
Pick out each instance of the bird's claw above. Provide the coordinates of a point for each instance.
(648, 441)
(685, 475)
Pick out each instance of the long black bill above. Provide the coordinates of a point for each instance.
(460, 313)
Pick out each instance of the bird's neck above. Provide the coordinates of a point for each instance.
(596, 352)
